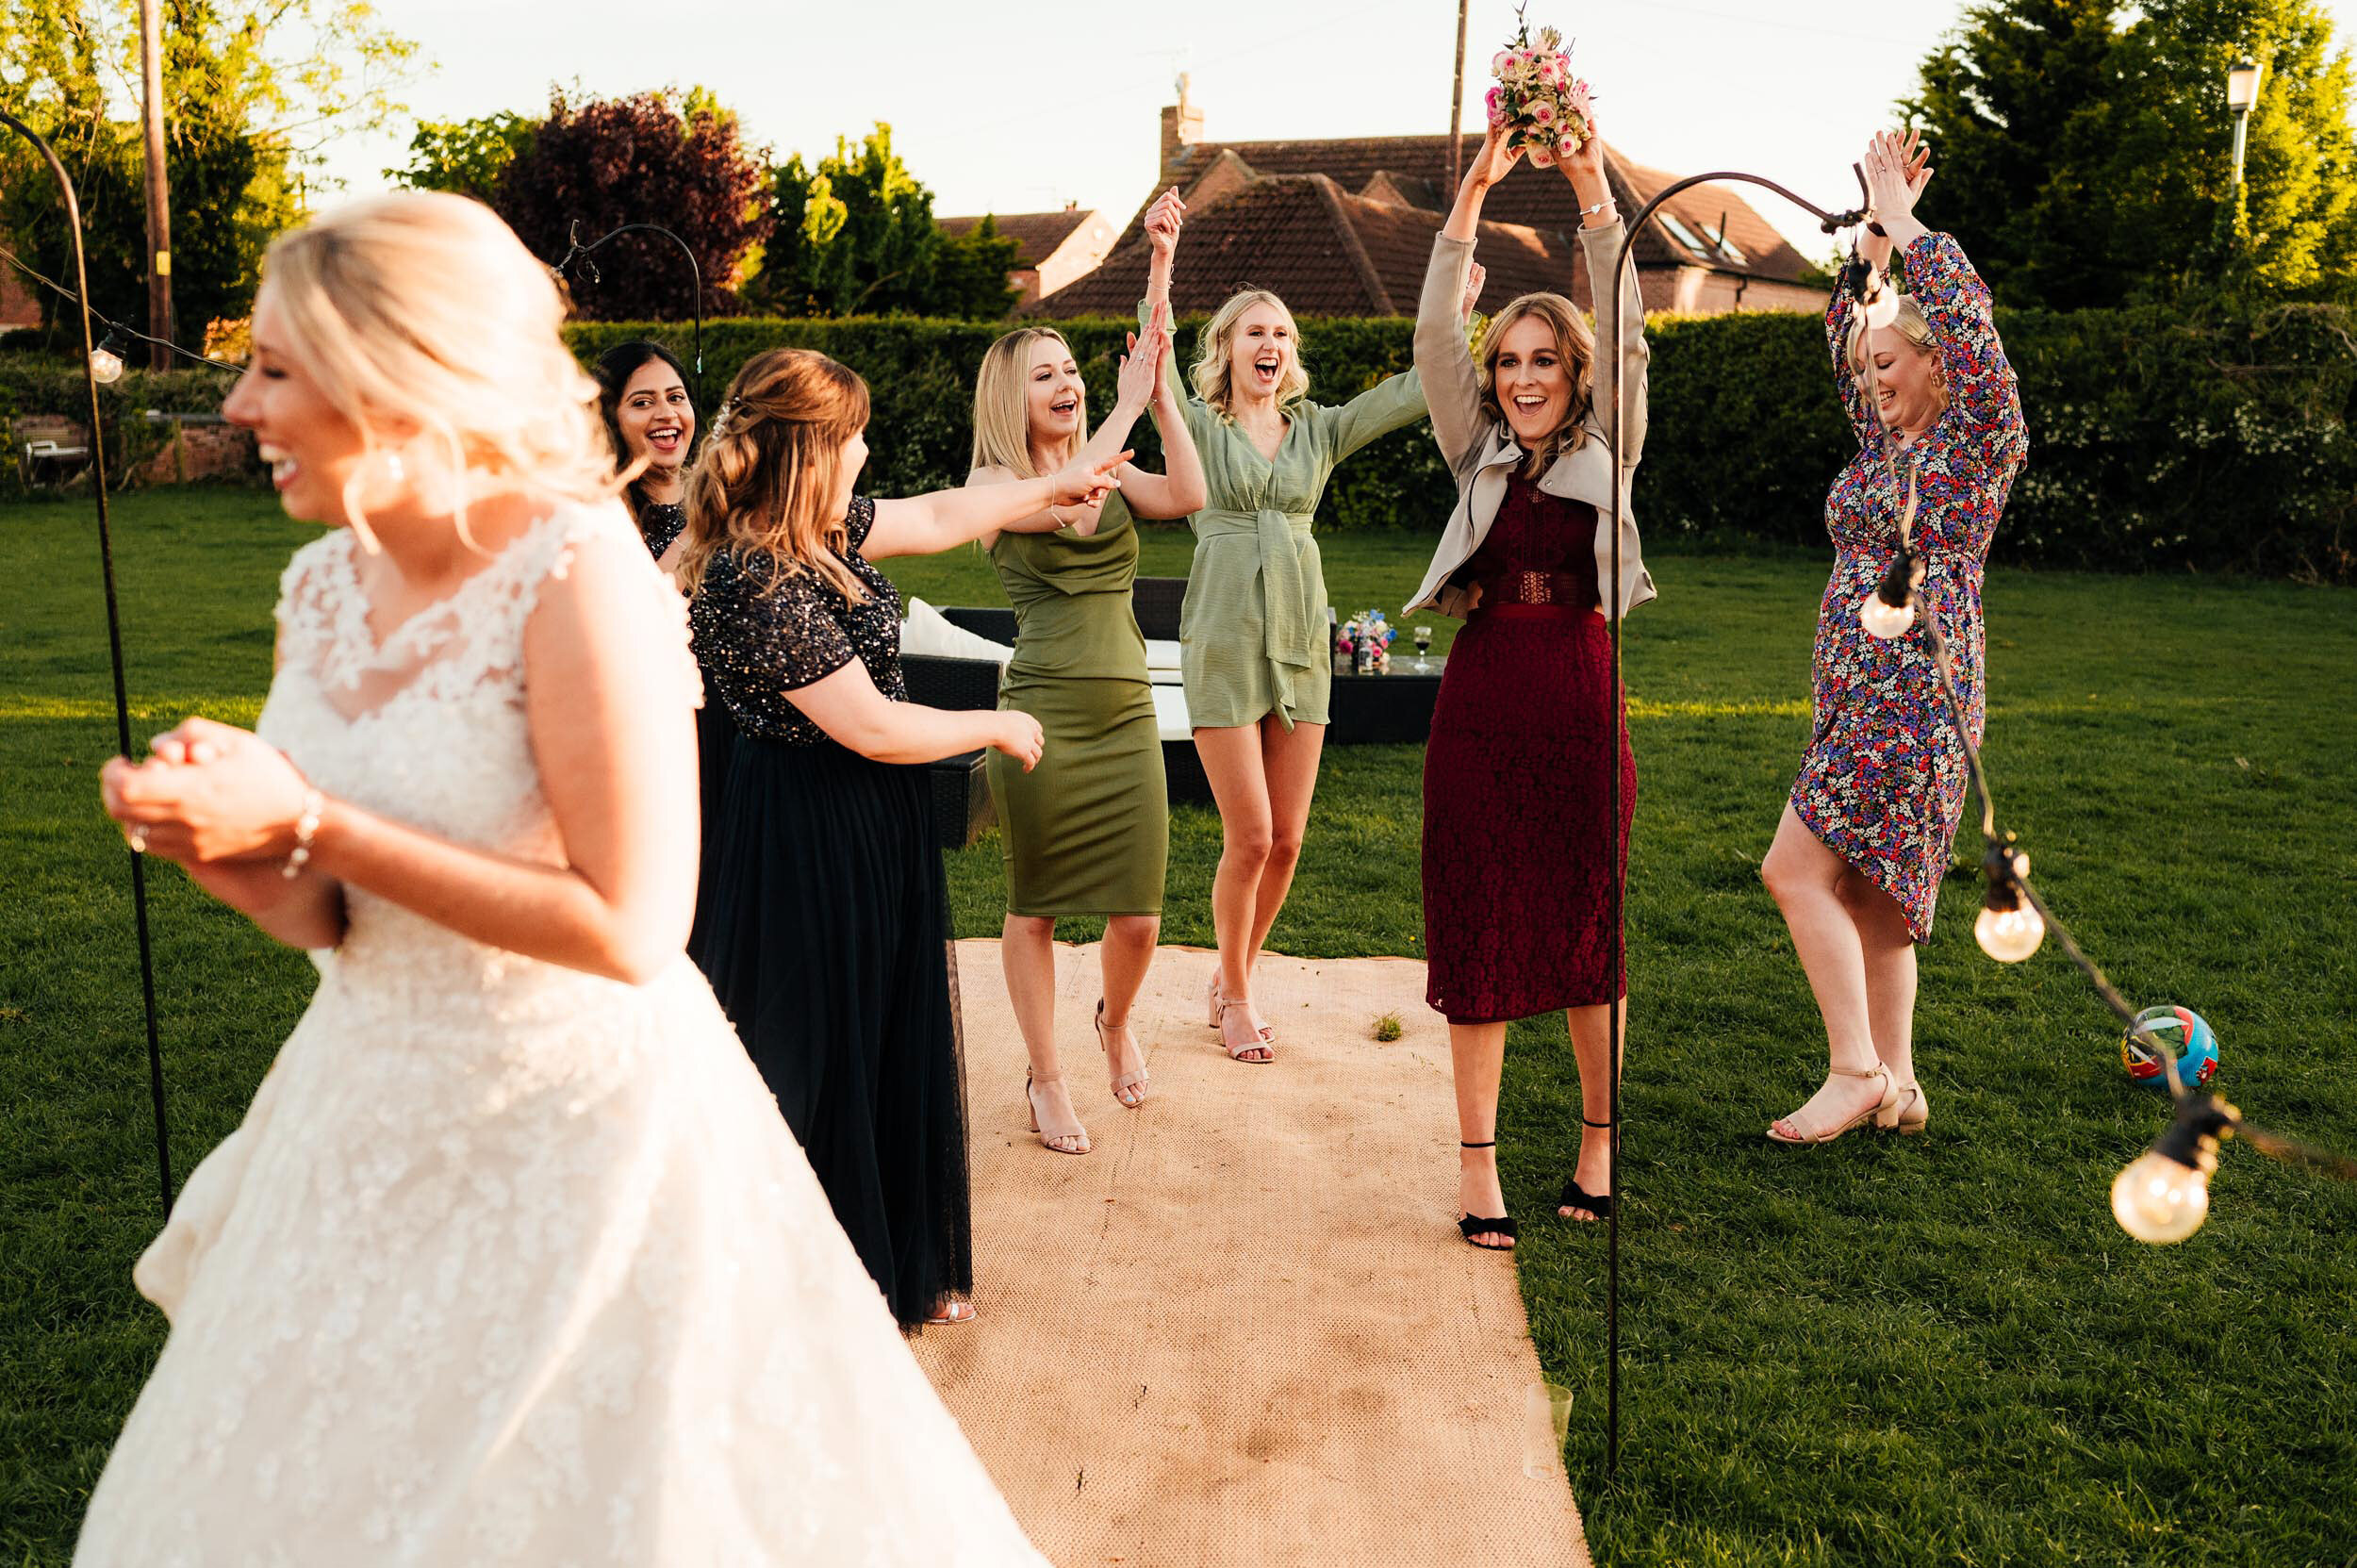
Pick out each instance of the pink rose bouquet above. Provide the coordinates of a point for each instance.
(1534, 94)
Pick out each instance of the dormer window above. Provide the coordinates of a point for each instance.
(1683, 235)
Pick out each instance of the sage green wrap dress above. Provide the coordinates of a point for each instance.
(1252, 633)
(1086, 831)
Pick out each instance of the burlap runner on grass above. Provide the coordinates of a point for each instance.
(1243, 1330)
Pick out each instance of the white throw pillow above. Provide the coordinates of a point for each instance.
(926, 630)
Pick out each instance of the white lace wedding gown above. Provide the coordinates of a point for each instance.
(509, 1263)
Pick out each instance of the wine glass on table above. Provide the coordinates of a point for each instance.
(1423, 646)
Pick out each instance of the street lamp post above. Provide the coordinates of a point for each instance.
(2242, 96)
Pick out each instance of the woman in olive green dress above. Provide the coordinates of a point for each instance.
(1253, 639)
(1088, 830)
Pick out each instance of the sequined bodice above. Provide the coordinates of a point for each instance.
(758, 637)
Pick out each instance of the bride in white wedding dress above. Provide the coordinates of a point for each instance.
(511, 1259)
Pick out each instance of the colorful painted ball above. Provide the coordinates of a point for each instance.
(2182, 1030)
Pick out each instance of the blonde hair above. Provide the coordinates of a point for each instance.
(771, 469)
(423, 308)
(1002, 417)
(1910, 324)
(1213, 372)
(1574, 344)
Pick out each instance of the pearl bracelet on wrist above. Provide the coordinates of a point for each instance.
(306, 828)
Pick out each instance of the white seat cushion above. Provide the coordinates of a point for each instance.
(926, 630)
(1170, 713)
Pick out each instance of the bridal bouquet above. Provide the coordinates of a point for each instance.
(1534, 95)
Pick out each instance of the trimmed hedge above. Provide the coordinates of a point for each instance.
(45, 385)
(2159, 439)
(2213, 440)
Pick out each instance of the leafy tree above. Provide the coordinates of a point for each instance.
(855, 236)
(464, 156)
(2083, 152)
(970, 274)
(256, 90)
(596, 164)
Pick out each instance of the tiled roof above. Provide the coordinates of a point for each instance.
(1326, 253)
(1416, 168)
(1037, 233)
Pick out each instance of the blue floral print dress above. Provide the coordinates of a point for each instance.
(1883, 783)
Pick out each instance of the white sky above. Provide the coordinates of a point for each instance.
(1017, 108)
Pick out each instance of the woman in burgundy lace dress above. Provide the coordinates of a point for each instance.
(1520, 852)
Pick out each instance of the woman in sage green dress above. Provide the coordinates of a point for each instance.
(1088, 830)
(1254, 648)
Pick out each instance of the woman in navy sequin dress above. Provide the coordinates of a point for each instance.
(1867, 829)
(823, 920)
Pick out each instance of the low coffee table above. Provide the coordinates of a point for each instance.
(1394, 709)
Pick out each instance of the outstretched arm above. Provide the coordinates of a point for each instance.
(1163, 222)
(932, 522)
(845, 703)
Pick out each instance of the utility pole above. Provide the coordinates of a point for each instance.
(1456, 110)
(158, 199)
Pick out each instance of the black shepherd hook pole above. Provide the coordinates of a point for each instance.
(1608, 319)
(695, 276)
(114, 639)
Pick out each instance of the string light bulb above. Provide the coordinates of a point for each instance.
(2009, 928)
(2164, 1194)
(1889, 610)
(106, 360)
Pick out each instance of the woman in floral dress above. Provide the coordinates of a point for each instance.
(1867, 832)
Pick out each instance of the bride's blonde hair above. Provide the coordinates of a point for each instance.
(423, 309)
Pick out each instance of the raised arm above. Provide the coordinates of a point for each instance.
(1445, 359)
(1163, 222)
(1619, 308)
(1180, 489)
(612, 733)
(1846, 384)
(1983, 390)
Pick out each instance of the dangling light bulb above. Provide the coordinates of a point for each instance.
(1882, 309)
(1885, 620)
(105, 365)
(2159, 1199)
(2009, 935)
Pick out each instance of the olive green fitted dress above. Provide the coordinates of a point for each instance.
(1252, 635)
(1087, 832)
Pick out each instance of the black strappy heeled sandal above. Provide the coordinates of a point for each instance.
(1470, 1226)
(1576, 1196)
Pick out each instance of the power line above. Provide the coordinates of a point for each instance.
(113, 326)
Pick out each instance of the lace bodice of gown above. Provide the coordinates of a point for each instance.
(428, 727)
(510, 1265)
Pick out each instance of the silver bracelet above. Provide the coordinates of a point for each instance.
(307, 828)
(1591, 211)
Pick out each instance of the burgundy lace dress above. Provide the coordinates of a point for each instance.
(1518, 858)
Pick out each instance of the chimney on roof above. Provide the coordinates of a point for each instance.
(1182, 127)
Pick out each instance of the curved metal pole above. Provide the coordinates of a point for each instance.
(695, 274)
(114, 642)
(1608, 320)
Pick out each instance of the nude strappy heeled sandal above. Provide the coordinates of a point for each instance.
(1884, 1112)
(1053, 1136)
(1266, 1036)
(1129, 1088)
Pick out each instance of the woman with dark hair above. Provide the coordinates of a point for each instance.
(1520, 850)
(642, 391)
(823, 919)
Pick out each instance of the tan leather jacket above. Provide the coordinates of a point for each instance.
(1482, 452)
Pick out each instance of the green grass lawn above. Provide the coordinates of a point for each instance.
(1932, 1351)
